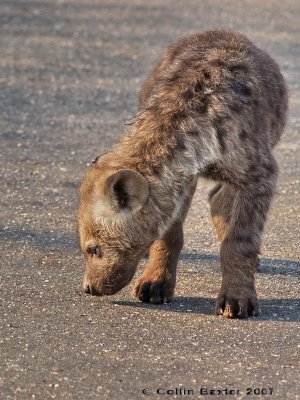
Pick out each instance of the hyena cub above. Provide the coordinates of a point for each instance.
(214, 106)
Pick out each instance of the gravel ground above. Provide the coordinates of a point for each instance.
(69, 76)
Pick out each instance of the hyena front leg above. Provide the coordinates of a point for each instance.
(157, 283)
(241, 245)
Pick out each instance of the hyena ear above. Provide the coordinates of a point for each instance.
(127, 190)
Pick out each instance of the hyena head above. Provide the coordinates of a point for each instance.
(114, 227)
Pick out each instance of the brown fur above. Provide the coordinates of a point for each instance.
(213, 106)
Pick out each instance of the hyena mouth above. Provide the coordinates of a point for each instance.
(90, 289)
(104, 290)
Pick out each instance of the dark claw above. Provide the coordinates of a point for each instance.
(143, 293)
(233, 308)
(155, 292)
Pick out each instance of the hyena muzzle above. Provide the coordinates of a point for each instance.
(213, 106)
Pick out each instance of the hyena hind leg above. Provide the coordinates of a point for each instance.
(221, 199)
(241, 245)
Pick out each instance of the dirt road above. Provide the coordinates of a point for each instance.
(69, 76)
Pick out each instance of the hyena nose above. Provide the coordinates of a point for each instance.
(86, 289)
(89, 289)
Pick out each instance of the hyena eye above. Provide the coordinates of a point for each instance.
(95, 251)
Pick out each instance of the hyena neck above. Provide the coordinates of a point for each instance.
(170, 163)
(153, 147)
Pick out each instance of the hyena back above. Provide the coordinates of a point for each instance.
(214, 106)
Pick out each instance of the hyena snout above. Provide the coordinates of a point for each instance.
(102, 288)
(107, 284)
(92, 289)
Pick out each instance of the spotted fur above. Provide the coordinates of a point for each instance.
(213, 106)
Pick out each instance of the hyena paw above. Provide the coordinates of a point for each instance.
(153, 291)
(237, 304)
